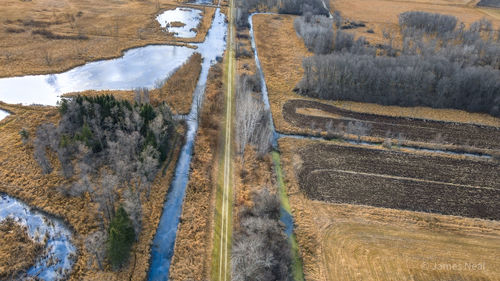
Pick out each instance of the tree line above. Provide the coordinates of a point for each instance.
(253, 123)
(112, 150)
(440, 64)
(295, 7)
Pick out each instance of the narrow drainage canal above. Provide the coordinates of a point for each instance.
(286, 215)
(286, 212)
(164, 240)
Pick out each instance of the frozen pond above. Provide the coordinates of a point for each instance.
(139, 67)
(188, 16)
(56, 261)
(3, 114)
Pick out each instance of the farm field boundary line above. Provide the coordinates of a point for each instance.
(402, 178)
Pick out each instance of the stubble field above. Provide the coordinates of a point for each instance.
(340, 241)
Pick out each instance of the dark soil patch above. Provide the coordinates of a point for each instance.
(489, 3)
(399, 180)
(413, 129)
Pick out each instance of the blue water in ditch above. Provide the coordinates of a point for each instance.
(164, 240)
(59, 254)
(285, 217)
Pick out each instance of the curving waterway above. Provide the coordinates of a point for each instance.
(164, 240)
(59, 253)
(140, 67)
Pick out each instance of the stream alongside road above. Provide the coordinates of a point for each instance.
(164, 240)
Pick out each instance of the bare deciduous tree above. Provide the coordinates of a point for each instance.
(95, 244)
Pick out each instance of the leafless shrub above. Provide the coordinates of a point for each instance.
(358, 128)
(260, 247)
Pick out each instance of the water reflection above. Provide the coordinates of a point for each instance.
(3, 114)
(139, 67)
(164, 240)
(57, 259)
(189, 17)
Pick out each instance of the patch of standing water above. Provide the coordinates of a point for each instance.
(263, 85)
(203, 2)
(3, 114)
(57, 260)
(188, 16)
(164, 240)
(140, 67)
(285, 212)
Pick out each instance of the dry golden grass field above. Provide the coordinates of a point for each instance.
(383, 14)
(21, 177)
(281, 52)
(17, 250)
(87, 30)
(355, 242)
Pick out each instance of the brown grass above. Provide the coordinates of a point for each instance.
(177, 24)
(22, 177)
(192, 258)
(177, 92)
(417, 132)
(349, 242)
(281, 52)
(111, 27)
(17, 250)
(316, 112)
(383, 14)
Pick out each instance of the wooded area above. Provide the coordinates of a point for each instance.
(440, 65)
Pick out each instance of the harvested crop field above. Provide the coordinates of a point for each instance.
(358, 242)
(413, 129)
(394, 179)
(489, 3)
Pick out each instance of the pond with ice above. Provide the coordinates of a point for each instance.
(181, 21)
(59, 254)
